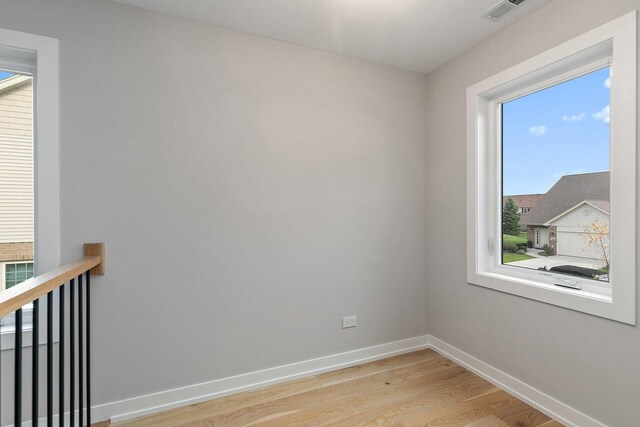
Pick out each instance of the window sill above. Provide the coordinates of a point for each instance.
(9, 341)
(593, 292)
(595, 300)
(8, 332)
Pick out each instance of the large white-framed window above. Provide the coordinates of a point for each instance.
(37, 56)
(609, 47)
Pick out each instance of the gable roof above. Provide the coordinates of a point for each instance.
(524, 200)
(603, 205)
(596, 204)
(568, 192)
(13, 82)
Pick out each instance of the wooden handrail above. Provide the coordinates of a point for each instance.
(36, 287)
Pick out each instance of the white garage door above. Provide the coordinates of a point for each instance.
(572, 244)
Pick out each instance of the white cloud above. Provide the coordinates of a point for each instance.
(607, 82)
(574, 117)
(538, 130)
(604, 114)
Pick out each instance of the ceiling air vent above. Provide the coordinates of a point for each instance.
(500, 10)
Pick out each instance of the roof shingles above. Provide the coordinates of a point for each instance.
(568, 192)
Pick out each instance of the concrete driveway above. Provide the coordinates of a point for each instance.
(555, 260)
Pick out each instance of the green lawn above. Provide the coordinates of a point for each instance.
(508, 257)
(520, 239)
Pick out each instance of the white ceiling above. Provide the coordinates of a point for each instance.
(417, 35)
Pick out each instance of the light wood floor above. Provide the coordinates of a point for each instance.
(415, 389)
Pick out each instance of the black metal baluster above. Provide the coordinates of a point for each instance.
(80, 352)
(50, 359)
(72, 361)
(35, 356)
(17, 390)
(60, 363)
(88, 314)
(83, 369)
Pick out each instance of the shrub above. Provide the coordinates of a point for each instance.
(510, 247)
(546, 250)
(522, 252)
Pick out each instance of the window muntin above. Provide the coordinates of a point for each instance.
(16, 273)
(555, 141)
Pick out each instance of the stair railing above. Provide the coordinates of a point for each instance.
(73, 278)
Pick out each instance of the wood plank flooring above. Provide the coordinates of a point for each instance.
(416, 389)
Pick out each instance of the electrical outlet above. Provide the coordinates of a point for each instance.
(349, 322)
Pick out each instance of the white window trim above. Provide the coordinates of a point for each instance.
(614, 42)
(46, 146)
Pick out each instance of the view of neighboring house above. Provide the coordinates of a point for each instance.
(16, 180)
(559, 218)
(524, 202)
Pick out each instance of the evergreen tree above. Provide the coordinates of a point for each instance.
(510, 218)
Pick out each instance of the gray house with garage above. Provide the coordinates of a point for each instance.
(559, 219)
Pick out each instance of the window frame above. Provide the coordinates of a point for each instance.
(37, 55)
(3, 271)
(612, 44)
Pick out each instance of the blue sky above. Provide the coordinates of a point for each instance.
(557, 131)
(5, 74)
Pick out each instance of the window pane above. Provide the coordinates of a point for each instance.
(17, 273)
(555, 178)
(16, 161)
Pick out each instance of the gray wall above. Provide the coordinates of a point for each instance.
(250, 193)
(585, 361)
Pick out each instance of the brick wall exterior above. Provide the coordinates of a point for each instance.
(553, 239)
(16, 251)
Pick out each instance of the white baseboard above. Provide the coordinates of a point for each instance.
(156, 402)
(533, 397)
(161, 401)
